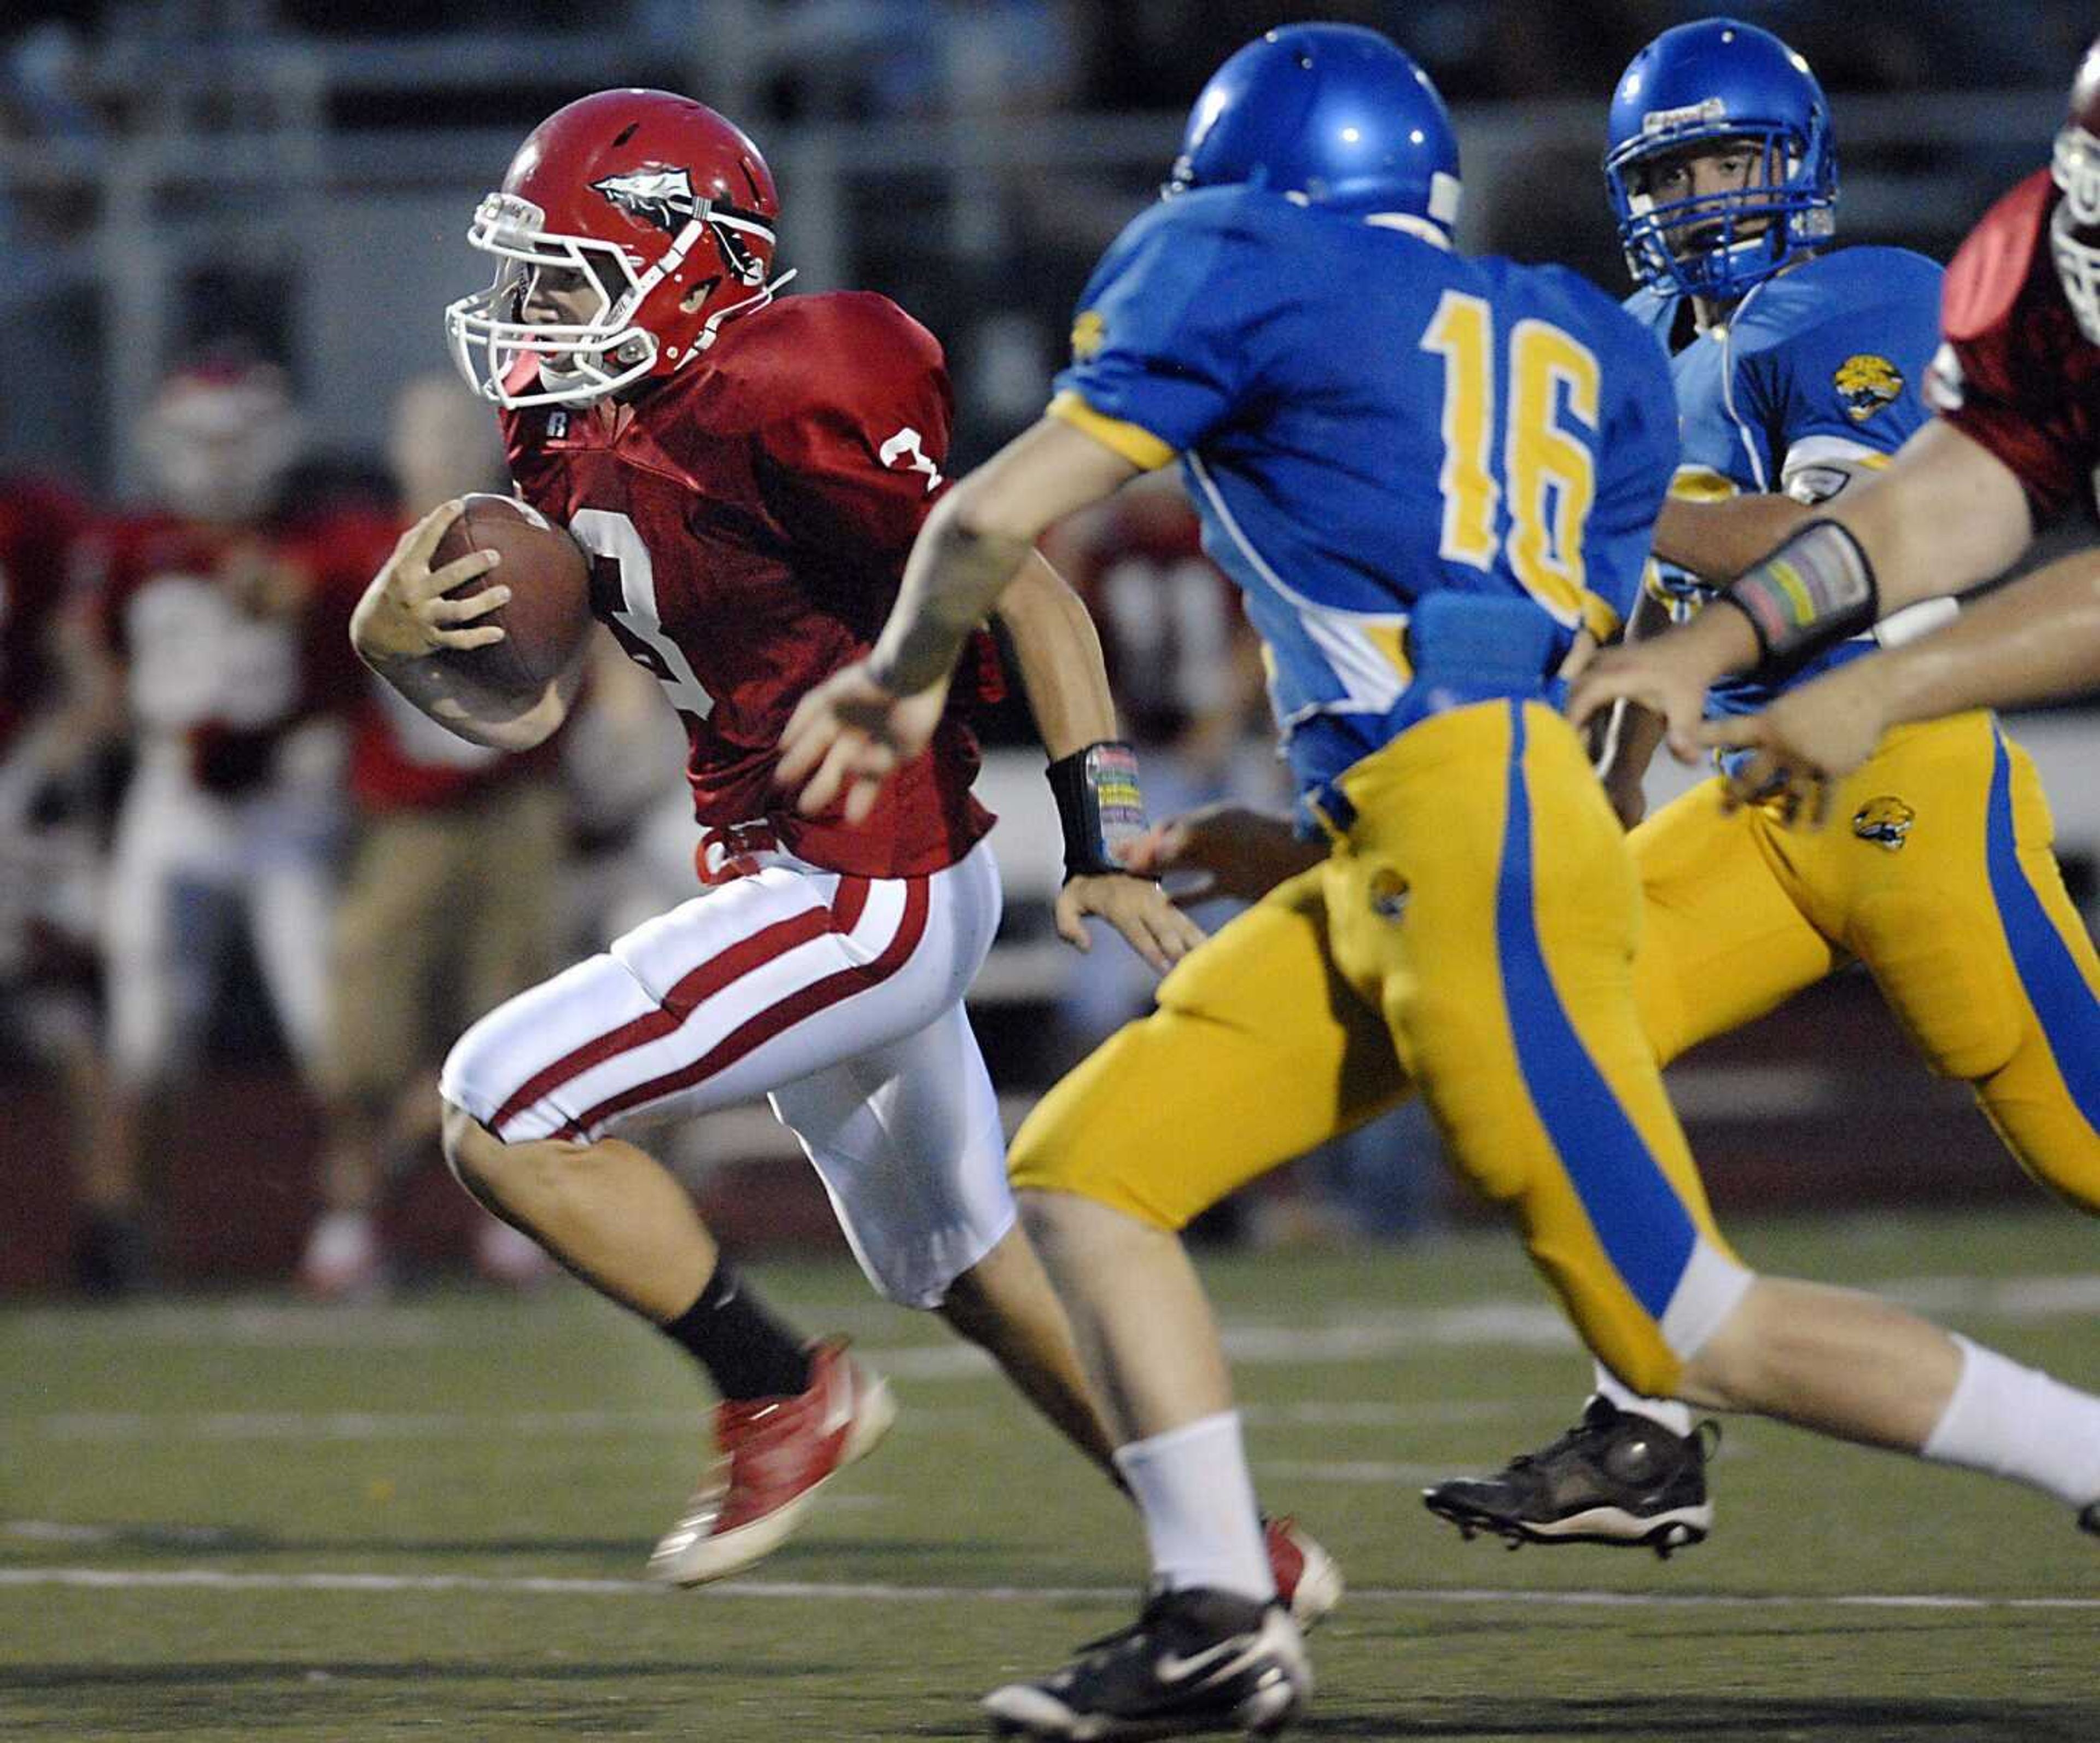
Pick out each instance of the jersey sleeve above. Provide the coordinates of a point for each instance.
(1998, 376)
(1162, 346)
(850, 463)
(1847, 389)
(1637, 450)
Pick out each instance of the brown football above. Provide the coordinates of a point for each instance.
(548, 614)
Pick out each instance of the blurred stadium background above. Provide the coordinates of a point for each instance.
(288, 182)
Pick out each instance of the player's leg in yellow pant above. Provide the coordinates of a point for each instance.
(1257, 1052)
(1723, 936)
(1940, 851)
(1484, 900)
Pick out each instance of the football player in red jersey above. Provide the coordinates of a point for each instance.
(748, 477)
(2015, 447)
(50, 821)
(203, 610)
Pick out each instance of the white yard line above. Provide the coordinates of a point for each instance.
(1350, 1331)
(191, 1579)
(124, 1428)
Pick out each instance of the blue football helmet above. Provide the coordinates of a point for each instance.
(1327, 115)
(1721, 80)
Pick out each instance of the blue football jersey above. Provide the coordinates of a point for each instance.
(1426, 472)
(1815, 370)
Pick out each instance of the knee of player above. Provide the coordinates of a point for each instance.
(479, 1158)
(1746, 1363)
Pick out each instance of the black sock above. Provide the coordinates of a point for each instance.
(746, 1351)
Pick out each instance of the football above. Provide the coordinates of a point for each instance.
(548, 615)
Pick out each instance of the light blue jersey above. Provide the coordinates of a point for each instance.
(1814, 370)
(1369, 423)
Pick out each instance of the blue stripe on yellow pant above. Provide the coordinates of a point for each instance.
(2070, 1019)
(1642, 1223)
(1474, 930)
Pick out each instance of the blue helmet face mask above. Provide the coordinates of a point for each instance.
(1325, 115)
(1700, 88)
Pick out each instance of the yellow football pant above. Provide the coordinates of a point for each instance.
(1473, 933)
(1936, 873)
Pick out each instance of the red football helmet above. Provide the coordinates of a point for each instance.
(632, 224)
(2075, 229)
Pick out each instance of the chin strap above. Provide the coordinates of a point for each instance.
(757, 300)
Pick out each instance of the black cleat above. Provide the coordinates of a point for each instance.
(1194, 1661)
(1615, 1478)
(2089, 1518)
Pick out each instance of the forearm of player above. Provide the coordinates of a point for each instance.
(1059, 654)
(955, 573)
(1946, 516)
(479, 715)
(2037, 640)
(1720, 539)
(975, 540)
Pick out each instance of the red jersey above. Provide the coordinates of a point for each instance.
(225, 675)
(748, 522)
(2016, 374)
(39, 526)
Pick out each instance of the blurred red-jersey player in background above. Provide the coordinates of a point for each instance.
(212, 651)
(749, 476)
(50, 816)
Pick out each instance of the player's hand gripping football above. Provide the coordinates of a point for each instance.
(1806, 742)
(1137, 907)
(848, 735)
(404, 613)
(1235, 852)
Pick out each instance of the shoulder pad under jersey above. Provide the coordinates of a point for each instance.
(1984, 279)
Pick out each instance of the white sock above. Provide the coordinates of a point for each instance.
(2016, 1421)
(1201, 1519)
(1674, 1416)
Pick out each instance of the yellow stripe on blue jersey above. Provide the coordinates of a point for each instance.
(1135, 443)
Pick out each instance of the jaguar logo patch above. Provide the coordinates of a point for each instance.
(1866, 383)
(1885, 822)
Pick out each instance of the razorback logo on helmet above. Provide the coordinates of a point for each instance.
(1866, 383)
(618, 252)
(1885, 822)
(656, 194)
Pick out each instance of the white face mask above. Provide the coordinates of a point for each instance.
(515, 360)
(2074, 232)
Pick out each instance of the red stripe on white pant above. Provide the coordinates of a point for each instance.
(798, 1006)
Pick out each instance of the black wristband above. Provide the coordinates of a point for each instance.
(1100, 806)
(1817, 588)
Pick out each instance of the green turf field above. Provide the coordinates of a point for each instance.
(245, 1519)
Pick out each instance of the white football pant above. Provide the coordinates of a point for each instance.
(840, 997)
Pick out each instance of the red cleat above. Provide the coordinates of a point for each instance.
(777, 1455)
(1309, 1584)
